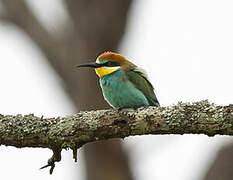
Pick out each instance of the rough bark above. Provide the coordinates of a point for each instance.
(90, 126)
(93, 27)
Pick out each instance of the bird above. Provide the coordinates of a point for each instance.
(123, 84)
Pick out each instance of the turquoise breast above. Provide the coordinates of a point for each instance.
(120, 93)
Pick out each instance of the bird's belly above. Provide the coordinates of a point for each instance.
(122, 94)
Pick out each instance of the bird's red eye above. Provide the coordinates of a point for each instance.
(109, 63)
(112, 64)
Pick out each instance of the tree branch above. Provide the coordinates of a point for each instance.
(19, 14)
(88, 126)
(4, 18)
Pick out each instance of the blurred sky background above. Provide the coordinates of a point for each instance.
(186, 48)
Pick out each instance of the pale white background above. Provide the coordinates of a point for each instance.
(186, 48)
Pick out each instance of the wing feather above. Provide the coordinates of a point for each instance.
(140, 79)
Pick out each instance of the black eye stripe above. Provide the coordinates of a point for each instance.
(111, 64)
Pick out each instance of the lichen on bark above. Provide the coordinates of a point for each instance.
(88, 126)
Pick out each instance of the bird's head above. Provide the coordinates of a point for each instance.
(109, 62)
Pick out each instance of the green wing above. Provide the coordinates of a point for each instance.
(139, 78)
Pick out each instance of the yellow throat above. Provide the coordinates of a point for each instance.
(104, 71)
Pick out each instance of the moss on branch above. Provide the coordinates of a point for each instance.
(88, 126)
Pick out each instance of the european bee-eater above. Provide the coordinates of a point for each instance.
(124, 85)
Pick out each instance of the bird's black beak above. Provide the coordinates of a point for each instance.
(92, 65)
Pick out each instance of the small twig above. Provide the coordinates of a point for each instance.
(55, 158)
(75, 152)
